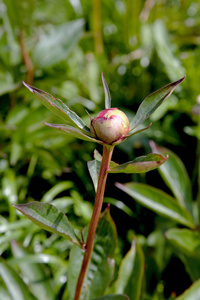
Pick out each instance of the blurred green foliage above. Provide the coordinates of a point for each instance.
(62, 47)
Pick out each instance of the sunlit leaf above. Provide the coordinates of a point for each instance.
(35, 273)
(158, 201)
(152, 102)
(59, 108)
(193, 293)
(185, 240)
(15, 285)
(113, 297)
(140, 164)
(131, 272)
(94, 168)
(49, 218)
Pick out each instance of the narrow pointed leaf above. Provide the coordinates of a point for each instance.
(15, 285)
(138, 131)
(158, 201)
(59, 108)
(113, 297)
(193, 293)
(140, 164)
(49, 218)
(35, 273)
(185, 240)
(75, 132)
(152, 102)
(175, 176)
(131, 272)
(101, 267)
(107, 93)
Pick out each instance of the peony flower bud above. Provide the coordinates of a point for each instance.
(110, 126)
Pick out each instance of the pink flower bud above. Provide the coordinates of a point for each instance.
(110, 126)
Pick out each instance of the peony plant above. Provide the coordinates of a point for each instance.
(109, 128)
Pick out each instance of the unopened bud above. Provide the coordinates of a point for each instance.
(110, 126)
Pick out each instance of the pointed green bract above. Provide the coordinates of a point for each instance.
(140, 164)
(131, 272)
(49, 218)
(101, 268)
(107, 93)
(152, 102)
(94, 168)
(158, 201)
(59, 108)
(75, 132)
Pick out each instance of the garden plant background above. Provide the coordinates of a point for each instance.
(62, 47)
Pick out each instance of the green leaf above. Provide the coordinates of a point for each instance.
(140, 164)
(175, 176)
(131, 272)
(77, 133)
(59, 108)
(152, 102)
(185, 240)
(101, 267)
(158, 201)
(35, 274)
(55, 46)
(113, 297)
(49, 218)
(193, 293)
(56, 190)
(107, 93)
(15, 285)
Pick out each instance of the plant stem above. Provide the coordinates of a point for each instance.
(106, 158)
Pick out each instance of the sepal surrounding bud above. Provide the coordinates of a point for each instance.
(110, 126)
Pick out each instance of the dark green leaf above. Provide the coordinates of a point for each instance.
(35, 273)
(107, 93)
(193, 293)
(75, 132)
(140, 164)
(59, 108)
(101, 267)
(131, 272)
(15, 285)
(175, 176)
(158, 201)
(152, 102)
(49, 218)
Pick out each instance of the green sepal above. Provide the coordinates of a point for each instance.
(152, 102)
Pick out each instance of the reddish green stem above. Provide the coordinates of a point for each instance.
(106, 158)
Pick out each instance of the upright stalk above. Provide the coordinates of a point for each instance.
(106, 158)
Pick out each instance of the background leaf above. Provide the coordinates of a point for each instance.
(131, 272)
(193, 293)
(158, 201)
